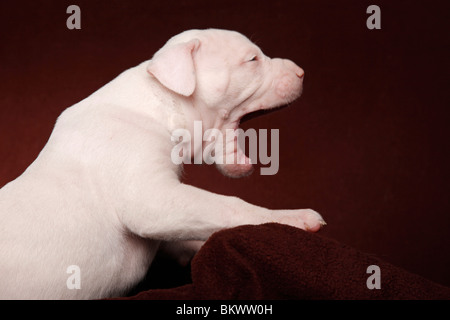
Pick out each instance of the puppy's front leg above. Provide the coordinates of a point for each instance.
(189, 213)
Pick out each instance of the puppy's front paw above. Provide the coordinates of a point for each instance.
(305, 219)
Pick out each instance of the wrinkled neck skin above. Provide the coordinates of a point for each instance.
(224, 108)
(222, 115)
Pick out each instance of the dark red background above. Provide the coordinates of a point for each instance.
(366, 145)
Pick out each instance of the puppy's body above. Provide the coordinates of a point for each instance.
(64, 209)
(104, 193)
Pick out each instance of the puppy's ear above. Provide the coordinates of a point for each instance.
(174, 67)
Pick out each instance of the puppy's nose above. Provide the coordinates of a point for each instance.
(300, 72)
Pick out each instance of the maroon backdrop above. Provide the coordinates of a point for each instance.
(366, 145)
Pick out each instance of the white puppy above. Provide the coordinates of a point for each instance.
(104, 193)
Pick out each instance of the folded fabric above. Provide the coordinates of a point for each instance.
(274, 261)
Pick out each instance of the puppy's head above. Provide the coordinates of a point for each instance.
(226, 76)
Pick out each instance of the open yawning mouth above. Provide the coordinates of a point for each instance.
(238, 163)
(226, 147)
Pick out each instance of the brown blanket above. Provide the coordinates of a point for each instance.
(274, 261)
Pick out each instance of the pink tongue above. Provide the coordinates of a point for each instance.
(236, 164)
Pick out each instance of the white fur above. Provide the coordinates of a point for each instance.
(103, 193)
